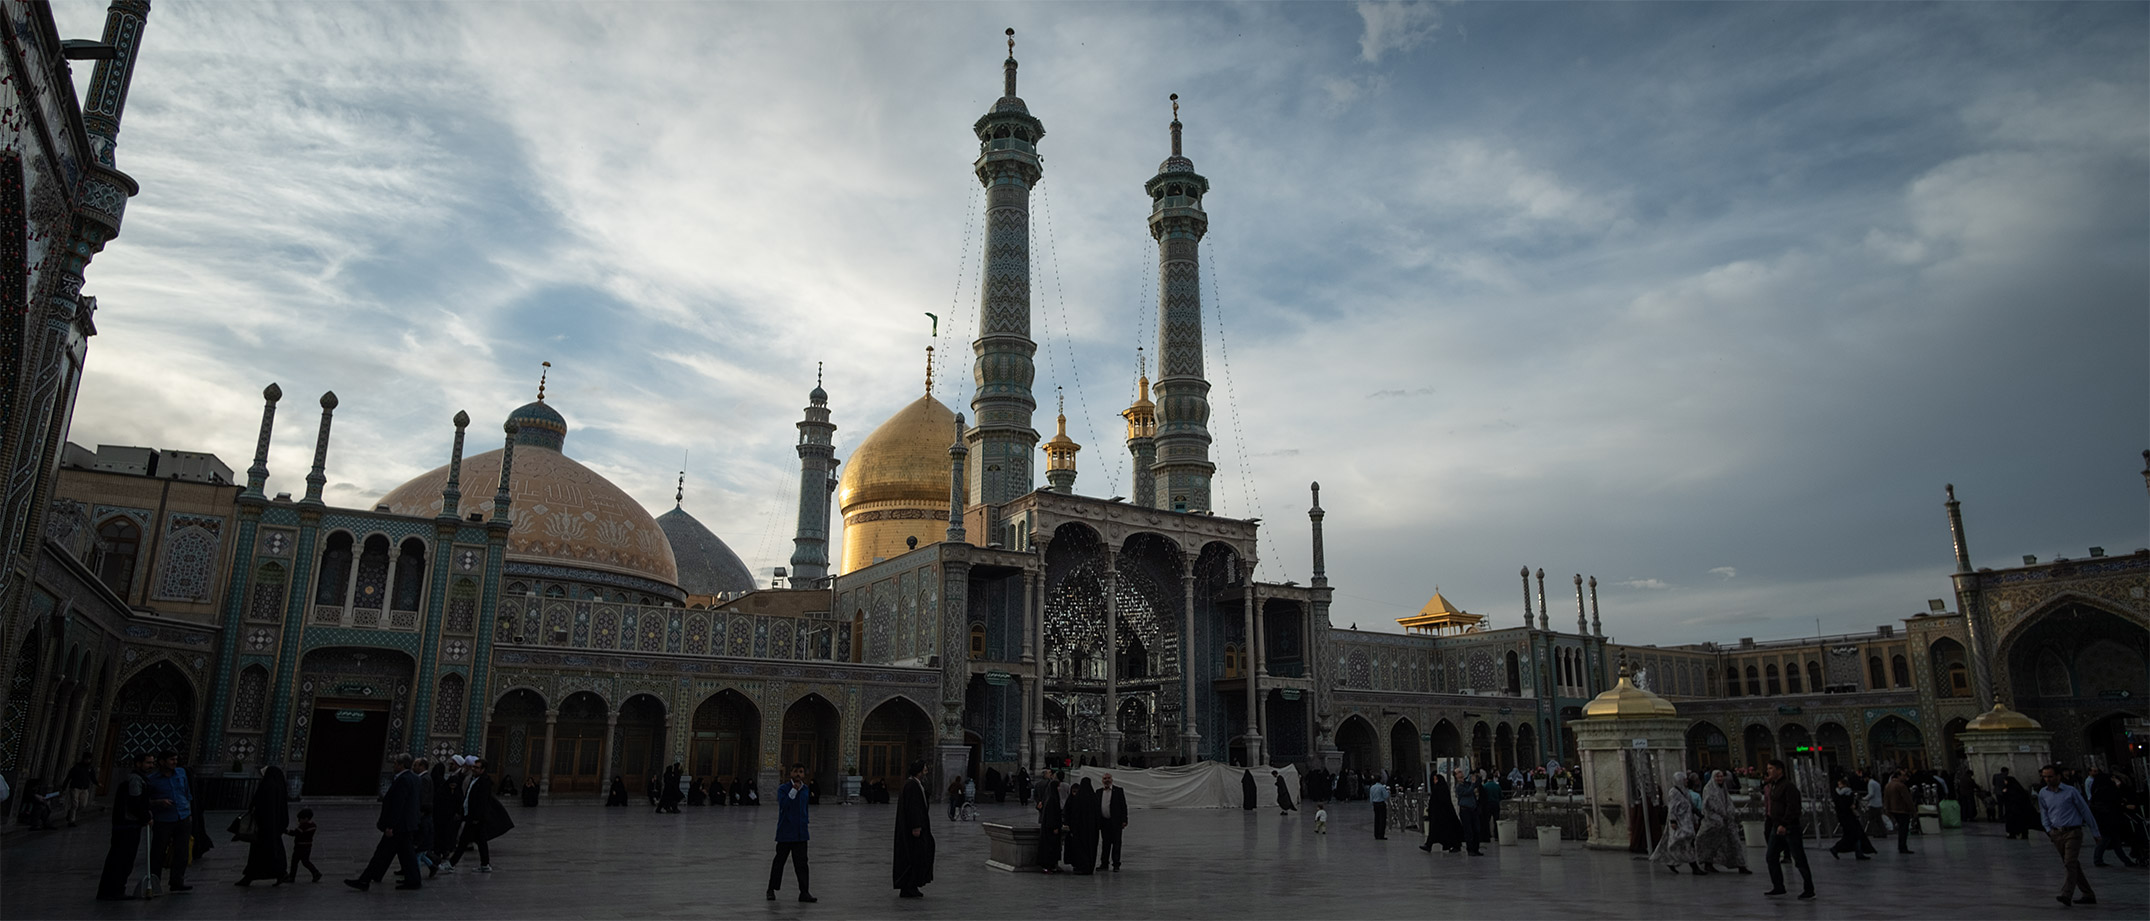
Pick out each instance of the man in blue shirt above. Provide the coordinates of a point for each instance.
(171, 806)
(1378, 794)
(2065, 815)
(791, 834)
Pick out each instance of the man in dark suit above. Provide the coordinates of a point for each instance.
(1112, 804)
(399, 830)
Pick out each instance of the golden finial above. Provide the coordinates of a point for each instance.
(1011, 42)
(541, 380)
(1175, 107)
(1062, 397)
(817, 374)
(680, 495)
(929, 370)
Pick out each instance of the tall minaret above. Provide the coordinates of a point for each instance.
(817, 479)
(1141, 419)
(1177, 223)
(1007, 165)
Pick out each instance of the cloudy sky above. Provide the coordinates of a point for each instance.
(1705, 300)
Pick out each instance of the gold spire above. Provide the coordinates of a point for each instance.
(541, 380)
(1142, 416)
(1060, 451)
(929, 370)
(1626, 701)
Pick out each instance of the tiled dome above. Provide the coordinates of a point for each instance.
(706, 565)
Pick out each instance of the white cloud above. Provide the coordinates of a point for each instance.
(1726, 572)
(1395, 27)
(1654, 585)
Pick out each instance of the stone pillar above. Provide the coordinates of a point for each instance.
(1112, 658)
(1190, 726)
(552, 722)
(1036, 616)
(1260, 642)
(607, 770)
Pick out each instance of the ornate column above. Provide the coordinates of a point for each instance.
(552, 722)
(1112, 658)
(1035, 614)
(1190, 724)
(607, 769)
(1968, 603)
(1526, 596)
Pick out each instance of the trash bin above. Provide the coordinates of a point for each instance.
(1508, 830)
(1548, 840)
(1951, 814)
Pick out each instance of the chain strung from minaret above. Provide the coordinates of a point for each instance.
(1183, 469)
(1002, 441)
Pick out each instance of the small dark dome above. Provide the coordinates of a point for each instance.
(539, 425)
(706, 565)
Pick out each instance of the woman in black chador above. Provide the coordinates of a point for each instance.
(696, 796)
(618, 795)
(914, 835)
(271, 810)
(1284, 801)
(1246, 790)
(530, 791)
(1442, 826)
(1082, 819)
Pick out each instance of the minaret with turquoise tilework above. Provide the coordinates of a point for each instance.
(1183, 469)
(1002, 441)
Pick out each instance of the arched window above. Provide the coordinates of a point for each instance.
(1814, 677)
(1901, 669)
(1515, 675)
(1231, 661)
(977, 641)
(1775, 687)
(268, 596)
(462, 614)
(1876, 679)
(248, 700)
(1754, 682)
(335, 578)
(1959, 681)
(410, 574)
(555, 591)
(448, 705)
(119, 540)
(1731, 681)
(371, 592)
(1791, 678)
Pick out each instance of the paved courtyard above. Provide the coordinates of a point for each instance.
(574, 861)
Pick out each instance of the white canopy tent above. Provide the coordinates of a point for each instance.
(1206, 785)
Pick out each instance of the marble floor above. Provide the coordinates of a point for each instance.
(575, 861)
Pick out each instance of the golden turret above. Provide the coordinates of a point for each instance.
(1142, 415)
(1060, 454)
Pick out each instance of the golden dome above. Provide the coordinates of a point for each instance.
(2000, 717)
(1628, 702)
(896, 484)
(564, 513)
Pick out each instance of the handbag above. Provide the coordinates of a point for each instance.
(242, 828)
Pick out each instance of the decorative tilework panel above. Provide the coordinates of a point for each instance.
(266, 601)
(190, 552)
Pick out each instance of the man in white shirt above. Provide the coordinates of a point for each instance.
(1870, 807)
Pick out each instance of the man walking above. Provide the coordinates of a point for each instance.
(1780, 809)
(1896, 799)
(130, 811)
(81, 785)
(791, 834)
(1467, 791)
(2066, 815)
(1112, 810)
(1489, 806)
(398, 823)
(171, 839)
(1378, 794)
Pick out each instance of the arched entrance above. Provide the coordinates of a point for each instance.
(1447, 742)
(578, 746)
(641, 741)
(811, 731)
(1761, 745)
(353, 713)
(895, 732)
(1895, 743)
(1951, 746)
(1834, 743)
(1356, 739)
(2070, 664)
(1482, 747)
(724, 744)
(1526, 746)
(2106, 741)
(1404, 761)
(153, 711)
(515, 736)
(1504, 748)
(1707, 748)
(1795, 741)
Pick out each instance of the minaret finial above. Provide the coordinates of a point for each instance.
(929, 370)
(1008, 69)
(679, 495)
(1175, 124)
(1062, 397)
(817, 374)
(541, 380)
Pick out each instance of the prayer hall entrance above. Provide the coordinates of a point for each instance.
(895, 733)
(723, 744)
(346, 748)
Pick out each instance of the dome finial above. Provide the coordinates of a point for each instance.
(817, 374)
(679, 495)
(541, 380)
(1008, 69)
(1175, 124)
(929, 370)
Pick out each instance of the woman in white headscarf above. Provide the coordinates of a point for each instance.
(1678, 844)
(1718, 841)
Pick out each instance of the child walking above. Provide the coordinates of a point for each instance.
(1321, 820)
(302, 847)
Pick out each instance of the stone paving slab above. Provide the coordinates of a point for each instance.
(574, 861)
